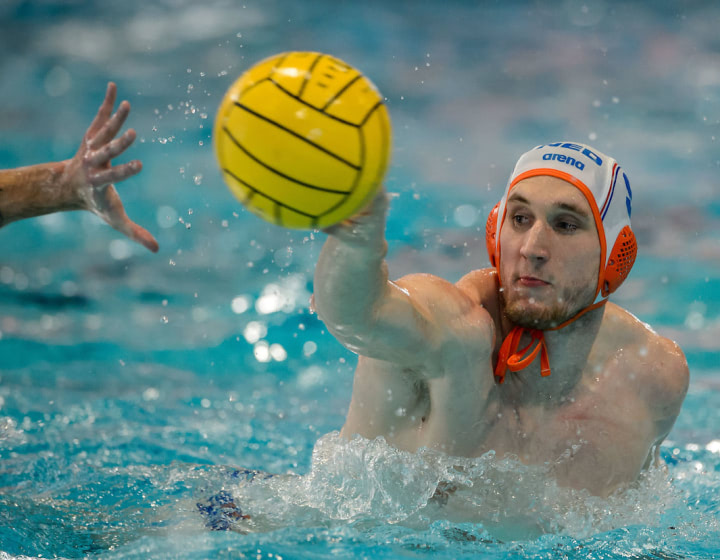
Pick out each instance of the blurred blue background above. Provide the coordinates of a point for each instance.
(115, 358)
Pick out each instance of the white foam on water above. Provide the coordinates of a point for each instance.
(360, 480)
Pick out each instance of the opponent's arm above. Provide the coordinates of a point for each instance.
(83, 182)
(26, 192)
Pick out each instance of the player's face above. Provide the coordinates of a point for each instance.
(549, 253)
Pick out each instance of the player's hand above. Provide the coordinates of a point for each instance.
(366, 226)
(89, 175)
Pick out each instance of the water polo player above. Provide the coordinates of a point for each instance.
(527, 358)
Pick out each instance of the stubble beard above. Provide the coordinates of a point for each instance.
(542, 316)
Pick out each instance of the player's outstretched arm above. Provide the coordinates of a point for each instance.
(365, 311)
(84, 182)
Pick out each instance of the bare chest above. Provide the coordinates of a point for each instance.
(596, 441)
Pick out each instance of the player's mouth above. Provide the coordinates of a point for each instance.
(532, 282)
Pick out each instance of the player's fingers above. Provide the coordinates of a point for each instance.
(112, 149)
(366, 225)
(104, 111)
(379, 203)
(108, 130)
(116, 174)
(376, 207)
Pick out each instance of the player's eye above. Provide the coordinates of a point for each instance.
(565, 226)
(520, 219)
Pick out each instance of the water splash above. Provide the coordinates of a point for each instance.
(369, 482)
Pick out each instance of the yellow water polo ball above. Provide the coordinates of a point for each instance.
(303, 139)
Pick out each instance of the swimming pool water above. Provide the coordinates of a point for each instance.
(134, 386)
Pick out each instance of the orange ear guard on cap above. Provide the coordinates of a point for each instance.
(622, 258)
(491, 234)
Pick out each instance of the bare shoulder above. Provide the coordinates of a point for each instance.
(438, 292)
(457, 306)
(481, 285)
(658, 363)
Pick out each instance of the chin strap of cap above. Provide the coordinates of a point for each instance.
(510, 358)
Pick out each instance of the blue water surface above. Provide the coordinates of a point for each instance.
(134, 386)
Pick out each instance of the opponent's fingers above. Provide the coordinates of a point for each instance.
(111, 127)
(110, 208)
(101, 157)
(116, 174)
(137, 233)
(104, 111)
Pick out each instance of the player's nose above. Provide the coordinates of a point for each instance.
(535, 242)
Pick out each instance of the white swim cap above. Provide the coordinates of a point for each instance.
(596, 176)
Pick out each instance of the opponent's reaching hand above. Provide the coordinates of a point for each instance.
(89, 176)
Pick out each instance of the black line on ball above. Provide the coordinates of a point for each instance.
(363, 156)
(385, 138)
(296, 135)
(277, 65)
(370, 112)
(358, 175)
(267, 78)
(280, 173)
(254, 191)
(296, 98)
(308, 74)
(338, 65)
(342, 90)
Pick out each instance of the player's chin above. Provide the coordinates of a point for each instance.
(529, 297)
(533, 314)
